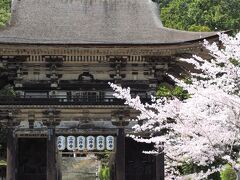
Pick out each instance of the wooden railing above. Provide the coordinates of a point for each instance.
(58, 100)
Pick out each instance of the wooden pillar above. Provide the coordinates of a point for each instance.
(51, 155)
(160, 166)
(11, 155)
(59, 166)
(120, 155)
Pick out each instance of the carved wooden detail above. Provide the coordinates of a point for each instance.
(52, 117)
(97, 53)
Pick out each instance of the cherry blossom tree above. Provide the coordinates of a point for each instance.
(203, 129)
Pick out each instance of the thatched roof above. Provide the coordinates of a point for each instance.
(90, 22)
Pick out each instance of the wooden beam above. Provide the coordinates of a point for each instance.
(11, 155)
(120, 155)
(51, 155)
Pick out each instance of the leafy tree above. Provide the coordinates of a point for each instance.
(4, 12)
(201, 15)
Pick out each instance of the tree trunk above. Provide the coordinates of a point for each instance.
(238, 175)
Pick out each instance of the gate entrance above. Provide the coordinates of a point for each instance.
(89, 166)
(139, 166)
(86, 157)
(32, 158)
(80, 158)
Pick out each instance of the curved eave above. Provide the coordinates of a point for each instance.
(213, 37)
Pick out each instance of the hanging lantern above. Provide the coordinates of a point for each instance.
(81, 141)
(100, 143)
(110, 143)
(71, 141)
(90, 143)
(61, 145)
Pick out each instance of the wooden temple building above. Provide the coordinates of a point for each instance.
(59, 56)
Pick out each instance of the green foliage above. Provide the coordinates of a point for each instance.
(235, 62)
(199, 28)
(4, 11)
(201, 15)
(7, 91)
(104, 173)
(104, 157)
(187, 80)
(165, 90)
(188, 168)
(164, 3)
(228, 173)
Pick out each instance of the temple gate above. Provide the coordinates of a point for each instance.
(60, 113)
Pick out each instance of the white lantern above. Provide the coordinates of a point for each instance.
(90, 143)
(71, 141)
(100, 143)
(61, 145)
(81, 141)
(110, 143)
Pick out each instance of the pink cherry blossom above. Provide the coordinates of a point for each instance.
(202, 128)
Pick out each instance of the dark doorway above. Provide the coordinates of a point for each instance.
(32, 159)
(139, 166)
